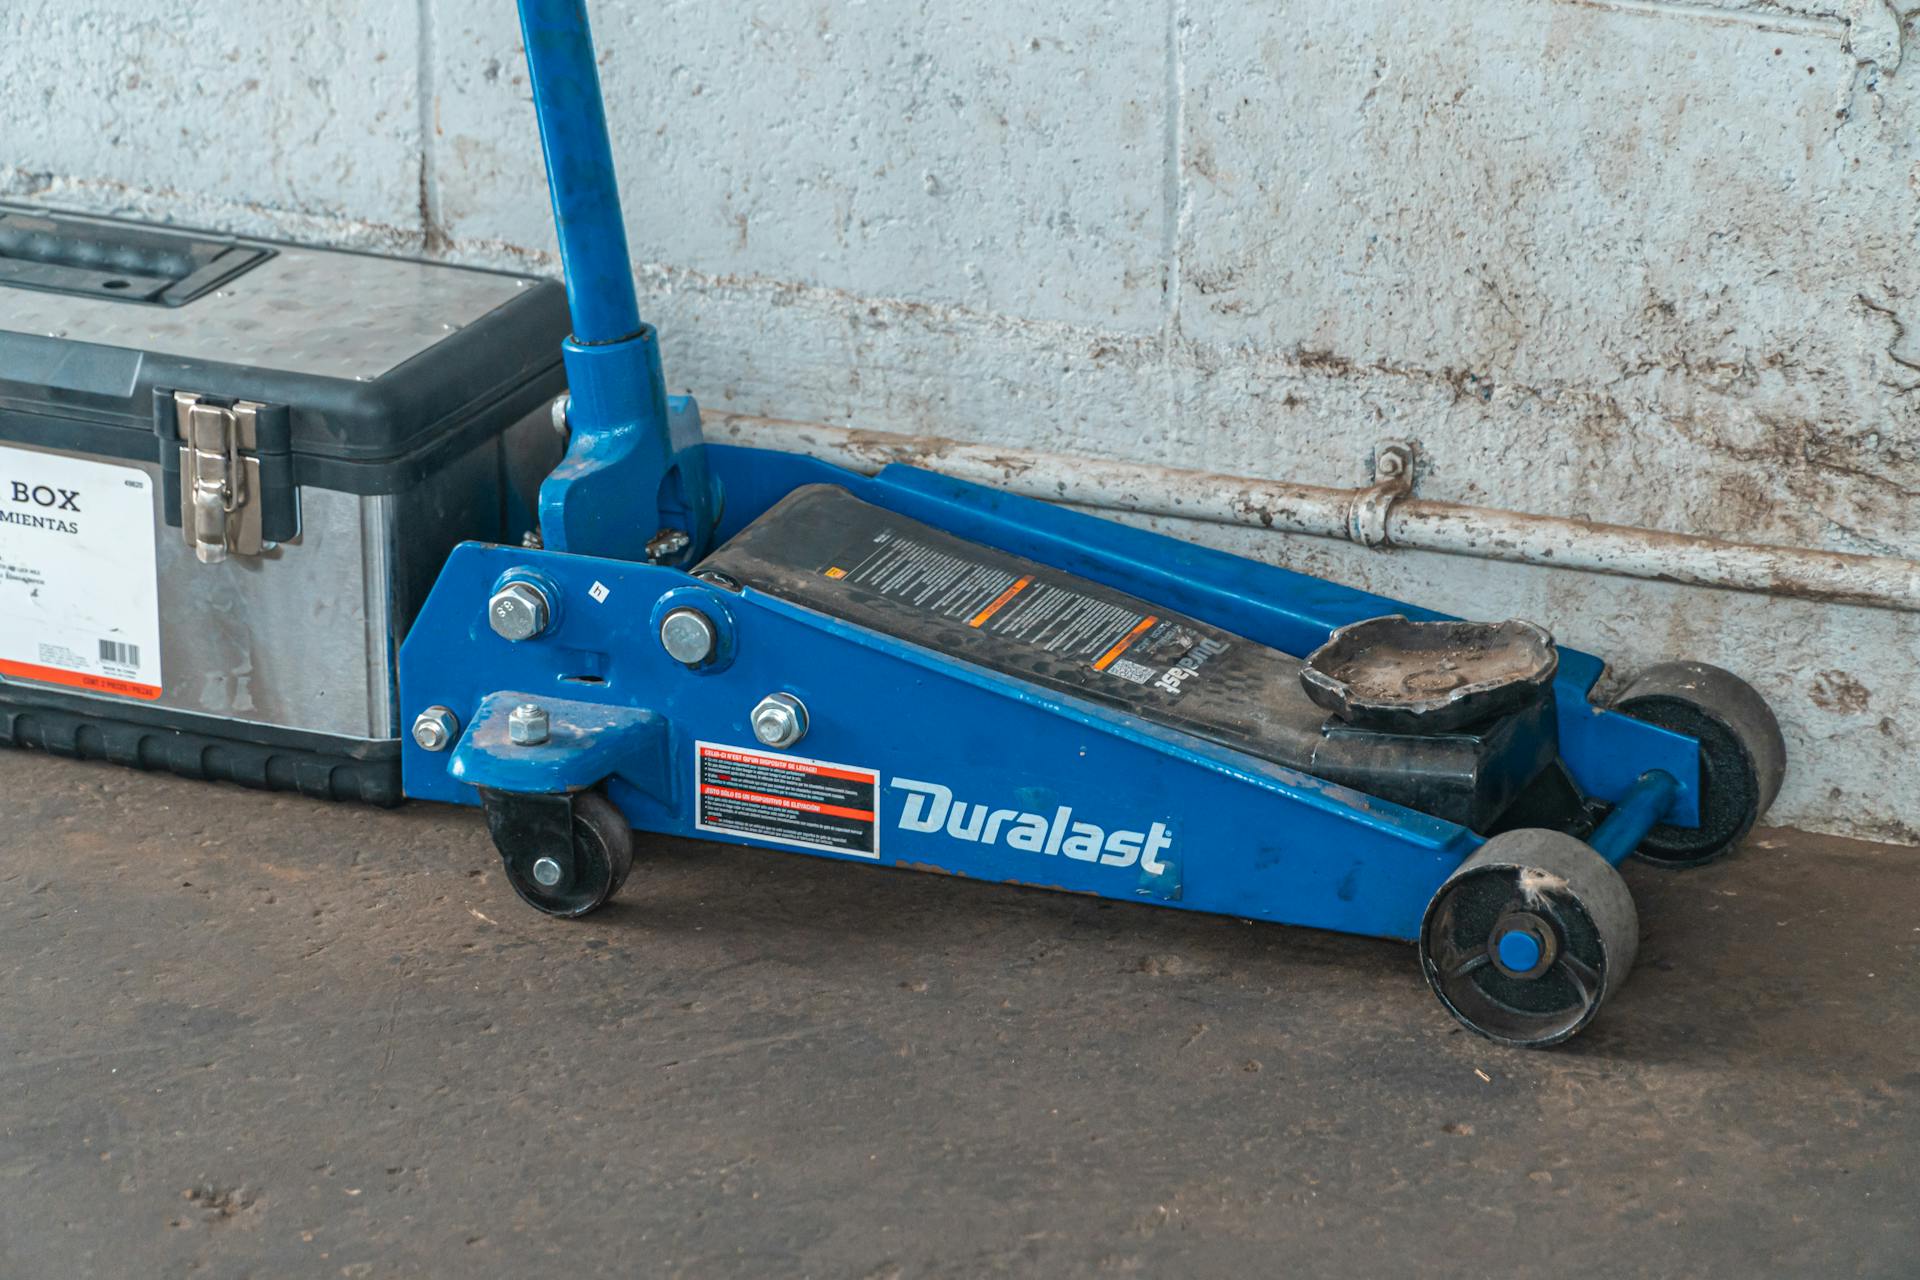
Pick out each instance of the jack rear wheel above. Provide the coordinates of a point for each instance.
(1743, 757)
(566, 882)
(1528, 937)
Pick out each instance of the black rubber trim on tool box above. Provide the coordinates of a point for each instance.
(369, 775)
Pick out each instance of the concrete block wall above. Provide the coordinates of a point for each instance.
(1628, 260)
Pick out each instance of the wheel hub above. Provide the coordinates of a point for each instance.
(1522, 946)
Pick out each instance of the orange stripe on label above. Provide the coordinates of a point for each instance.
(784, 762)
(1106, 659)
(998, 601)
(79, 680)
(785, 802)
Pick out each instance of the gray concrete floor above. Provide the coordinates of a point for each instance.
(249, 1035)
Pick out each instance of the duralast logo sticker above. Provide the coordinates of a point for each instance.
(931, 807)
(1188, 667)
(27, 503)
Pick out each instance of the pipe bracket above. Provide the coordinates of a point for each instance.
(1392, 481)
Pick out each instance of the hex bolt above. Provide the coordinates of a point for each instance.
(779, 720)
(518, 611)
(527, 725)
(435, 729)
(546, 872)
(688, 635)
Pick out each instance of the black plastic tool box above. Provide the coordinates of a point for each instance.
(229, 472)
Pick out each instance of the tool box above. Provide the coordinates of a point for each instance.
(229, 472)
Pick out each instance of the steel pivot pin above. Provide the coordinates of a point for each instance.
(688, 636)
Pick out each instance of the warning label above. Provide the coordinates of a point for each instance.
(1106, 635)
(815, 804)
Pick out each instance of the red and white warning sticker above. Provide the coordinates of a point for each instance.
(816, 804)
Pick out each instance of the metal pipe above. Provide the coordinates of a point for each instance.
(1836, 577)
(586, 193)
(1637, 813)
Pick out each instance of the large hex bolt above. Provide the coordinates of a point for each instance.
(435, 729)
(779, 720)
(688, 636)
(527, 725)
(519, 611)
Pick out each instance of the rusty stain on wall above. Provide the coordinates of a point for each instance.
(1837, 691)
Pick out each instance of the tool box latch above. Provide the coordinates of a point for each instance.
(219, 476)
(227, 472)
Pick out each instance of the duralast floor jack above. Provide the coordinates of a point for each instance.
(904, 670)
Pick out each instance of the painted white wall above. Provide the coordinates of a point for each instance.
(1646, 262)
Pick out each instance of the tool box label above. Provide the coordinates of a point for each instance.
(79, 594)
(814, 804)
(1108, 636)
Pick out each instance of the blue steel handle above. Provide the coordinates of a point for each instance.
(636, 468)
(586, 194)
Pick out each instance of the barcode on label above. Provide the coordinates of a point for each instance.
(126, 655)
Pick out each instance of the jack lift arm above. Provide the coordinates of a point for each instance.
(906, 670)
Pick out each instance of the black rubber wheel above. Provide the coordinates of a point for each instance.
(1743, 758)
(1528, 937)
(602, 859)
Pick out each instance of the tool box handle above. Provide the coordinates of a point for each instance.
(87, 257)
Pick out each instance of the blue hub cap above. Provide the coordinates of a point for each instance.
(1519, 950)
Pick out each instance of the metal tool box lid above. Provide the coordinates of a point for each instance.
(384, 364)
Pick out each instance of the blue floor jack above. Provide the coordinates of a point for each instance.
(905, 670)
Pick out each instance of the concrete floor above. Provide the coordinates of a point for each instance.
(247, 1035)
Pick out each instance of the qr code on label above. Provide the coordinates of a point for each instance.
(1129, 670)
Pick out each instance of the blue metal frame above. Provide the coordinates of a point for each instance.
(1194, 824)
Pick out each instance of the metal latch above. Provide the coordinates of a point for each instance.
(219, 479)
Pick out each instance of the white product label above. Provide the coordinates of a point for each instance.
(79, 593)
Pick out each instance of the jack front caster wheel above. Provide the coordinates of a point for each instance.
(1742, 755)
(564, 855)
(1528, 937)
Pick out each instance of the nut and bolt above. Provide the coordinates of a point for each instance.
(519, 611)
(1392, 460)
(435, 729)
(688, 635)
(779, 720)
(527, 725)
(561, 407)
(546, 872)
